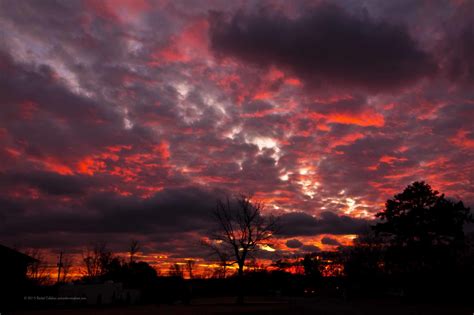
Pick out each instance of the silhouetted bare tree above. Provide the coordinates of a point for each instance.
(176, 271)
(225, 259)
(190, 267)
(96, 259)
(66, 265)
(133, 249)
(224, 262)
(241, 231)
(38, 270)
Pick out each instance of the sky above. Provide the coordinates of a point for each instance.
(124, 119)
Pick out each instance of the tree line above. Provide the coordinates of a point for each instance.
(417, 246)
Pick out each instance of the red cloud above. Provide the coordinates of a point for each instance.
(363, 119)
(191, 43)
(120, 11)
(461, 139)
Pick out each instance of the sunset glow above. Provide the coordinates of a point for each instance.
(124, 119)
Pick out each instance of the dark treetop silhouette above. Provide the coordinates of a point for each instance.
(418, 244)
(420, 216)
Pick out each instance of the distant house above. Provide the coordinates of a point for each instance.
(13, 280)
(97, 294)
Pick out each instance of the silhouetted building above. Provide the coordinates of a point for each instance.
(13, 280)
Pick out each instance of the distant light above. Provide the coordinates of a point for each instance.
(267, 248)
(303, 171)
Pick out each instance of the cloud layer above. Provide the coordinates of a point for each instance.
(128, 119)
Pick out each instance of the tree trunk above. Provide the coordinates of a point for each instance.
(241, 270)
(240, 284)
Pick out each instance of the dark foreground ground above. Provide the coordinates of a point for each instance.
(264, 306)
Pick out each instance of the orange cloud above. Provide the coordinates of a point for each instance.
(96, 163)
(263, 95)
(90, 166)
(391, 159)
(54, 165)
(347, 139)
(364, 119)
(293, 81)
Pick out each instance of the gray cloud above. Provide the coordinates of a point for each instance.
(325, 44)
(330, 241)
(300, 223)
(293, 243)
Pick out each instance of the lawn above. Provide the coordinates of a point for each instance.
(264, 306)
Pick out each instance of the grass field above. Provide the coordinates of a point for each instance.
(263, 306)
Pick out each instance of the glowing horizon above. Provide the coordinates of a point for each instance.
(127, 119)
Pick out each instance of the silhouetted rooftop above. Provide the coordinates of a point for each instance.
(10, 254)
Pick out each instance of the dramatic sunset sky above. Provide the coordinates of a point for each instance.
(128, 119)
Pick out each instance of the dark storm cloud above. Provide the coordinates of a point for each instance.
(330, 241)
(293, 243)
(458, 45)
(303, 224)
(49, 182)
(326, 44)
(9, 206)
(169, 212)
